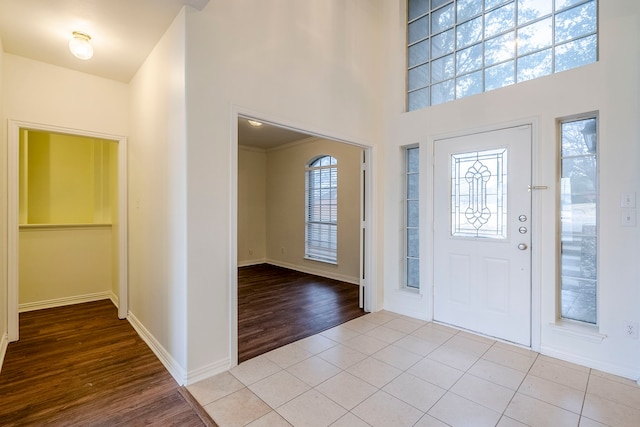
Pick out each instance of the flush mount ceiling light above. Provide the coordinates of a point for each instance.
(80, 47)
(254, 123)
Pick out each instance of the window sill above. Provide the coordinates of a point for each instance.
(578, 330)
(321, 260)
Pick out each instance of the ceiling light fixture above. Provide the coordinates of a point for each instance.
(254, 123)
(80, 47)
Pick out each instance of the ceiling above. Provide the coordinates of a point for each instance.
(266, 136)
(123, 33)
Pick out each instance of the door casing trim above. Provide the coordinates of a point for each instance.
(13, 169)
(536, 213)
(367, 258)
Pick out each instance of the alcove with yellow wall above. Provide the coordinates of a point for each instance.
(68, 204)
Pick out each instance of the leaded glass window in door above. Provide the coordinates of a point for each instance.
(479, 194)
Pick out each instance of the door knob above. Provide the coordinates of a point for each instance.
(522, 246)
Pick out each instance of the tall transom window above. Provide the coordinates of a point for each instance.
(458, 48)
(321, 236)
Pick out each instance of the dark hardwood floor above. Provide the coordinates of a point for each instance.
(80, 365)
(277, 306)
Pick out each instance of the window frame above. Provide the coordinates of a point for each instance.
(326, 249)
(559, 217)
(406, 257)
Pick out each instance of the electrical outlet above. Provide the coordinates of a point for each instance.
(631, 329)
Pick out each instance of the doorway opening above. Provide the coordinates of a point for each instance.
(67, 189)
(273, 220)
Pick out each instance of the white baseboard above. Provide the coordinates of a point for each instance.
(610, 368)
(176, 371)
(4, 343)
(207, 371)
(60, 302)
(248, 262)
(114, 299)
(315, 272)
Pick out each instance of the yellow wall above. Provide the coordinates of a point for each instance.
(65, 179)
(68, 249)
(64, 264)
(271, 207)
(252, 205)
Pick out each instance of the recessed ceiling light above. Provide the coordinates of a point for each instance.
(254, 123)
(80, 46)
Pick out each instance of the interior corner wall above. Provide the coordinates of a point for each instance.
(286, 207)
(612, 87)
(3, 216)
(157, 199)
(252, 206)
(314, 64)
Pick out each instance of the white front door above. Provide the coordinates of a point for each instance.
(482, 218)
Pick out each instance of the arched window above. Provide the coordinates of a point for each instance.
(321, 234)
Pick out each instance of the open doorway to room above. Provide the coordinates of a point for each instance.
(67, 219)
(301, 235)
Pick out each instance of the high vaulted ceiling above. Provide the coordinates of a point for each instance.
(123, 32)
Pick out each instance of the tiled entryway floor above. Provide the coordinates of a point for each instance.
(388, 370)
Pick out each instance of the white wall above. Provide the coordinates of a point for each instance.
(252, 205)
(312, 65)
(611, 87)
(286, 207)
(157, 200)
(46, 94)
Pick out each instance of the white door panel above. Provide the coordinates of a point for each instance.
(482, 210)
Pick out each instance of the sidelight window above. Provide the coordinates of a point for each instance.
(579, 219)
(411, 218)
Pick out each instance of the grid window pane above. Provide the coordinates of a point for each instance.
(469, 59)
(468, 8)
(499, 49)
(563, 4)
(442, 44)
(419, 53)
(418, 99)
(470, 84)
(442, 19)
(417, 8)
(508, 41)
(576, 53)
(418, 30)
(469, 33)
(488, 4)
(442, 69)
(438, 3)
(442, 92)
(535, 37)
(576, 22)
(499, 76)
(499, 20)
(529, 10)
(534, 66)
(419, 77)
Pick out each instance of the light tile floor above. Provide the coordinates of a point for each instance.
(383, 369)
